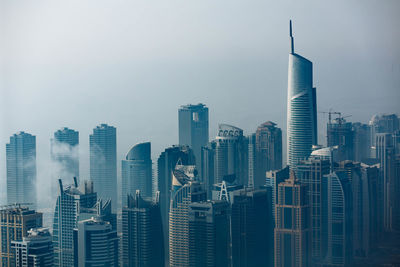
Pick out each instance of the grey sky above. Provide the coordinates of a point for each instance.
(131, 64)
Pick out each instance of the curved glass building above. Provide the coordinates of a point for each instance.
(185, 190)
(137, 171)
(301, 108)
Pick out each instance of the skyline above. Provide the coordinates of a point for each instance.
(237, 66)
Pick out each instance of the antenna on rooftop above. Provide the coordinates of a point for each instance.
(291, 36)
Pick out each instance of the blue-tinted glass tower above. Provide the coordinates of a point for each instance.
(193, 128)
(21, 168)
(64, 152)
(103, 162)
(137, 171)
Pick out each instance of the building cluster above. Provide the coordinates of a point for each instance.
(228, 201)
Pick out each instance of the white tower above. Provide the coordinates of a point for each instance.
(301, 108)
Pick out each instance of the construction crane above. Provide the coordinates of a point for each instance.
(330, 112)
(339, 119)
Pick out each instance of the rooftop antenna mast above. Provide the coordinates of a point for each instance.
(291, 36)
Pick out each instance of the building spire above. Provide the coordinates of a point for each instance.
(291, 37)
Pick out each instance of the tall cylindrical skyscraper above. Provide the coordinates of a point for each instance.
(137, 171)
(301, 108)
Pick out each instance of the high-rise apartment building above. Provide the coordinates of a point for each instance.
(64, 152)
(252, 228)
(252, 161)
(142, 237)
(394, 187)
(268, 151)
(21, 168)
(207, 166)
(368, 229)
(193, 128)
(396, 142)
(310, 173)
(209, 234)
(385, 155)
(165, 166)
(15, 221)
(137, 171)
(231, 154)
(292, 225)
(362, 204)
(272, 180)
(95, 244)
(337, 220)
(301, 108)
(362, 141)
(185, 190)
(103, 162)
(386, 123)
(35, 250)
(70, 202)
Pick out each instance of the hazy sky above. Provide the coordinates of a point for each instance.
(131, 64)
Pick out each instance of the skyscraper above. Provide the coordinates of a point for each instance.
(14, 224)
(369, 226)
(268, 151)
(165, 166)
(35, 250)
(301, 108)
(362, 141)
(142, 237)
(137, 171)
(209, 234)
(386, 123)
(252, 228)
(193, 128)
(70, 202)
(337, 224)
(272, 180)
(103, 162)
(95, 244)
(340, 133)
(231, 154)
(185, 190)
(392, 185)
(396, 141)
(207, 166)
(361, 207)
(292, 225)
(395, 193)
(385, 155)
(252, 161)
(310, 173)
(65, 153)
(21, 168)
